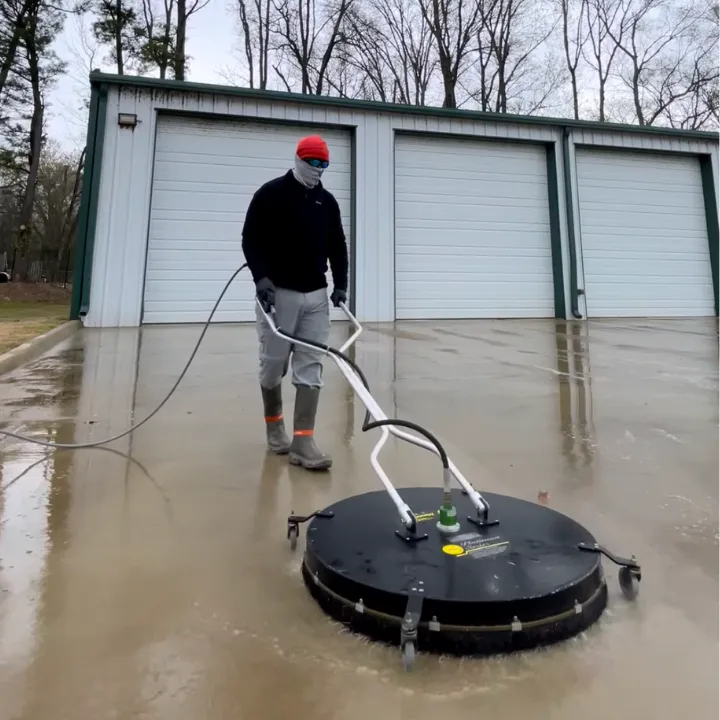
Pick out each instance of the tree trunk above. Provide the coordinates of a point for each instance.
(576, 106)
(36, 128)
(636, 96)
(118, 37)
(449, 100)
(70, 219)
(179, 65)
(12, 47)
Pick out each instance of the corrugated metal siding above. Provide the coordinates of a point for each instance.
(124, 197)
(661, 143)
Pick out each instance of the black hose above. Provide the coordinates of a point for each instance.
(367, 424)
(417, 428)
(98, 443)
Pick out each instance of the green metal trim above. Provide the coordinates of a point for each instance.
(352, 284)
(555, 234)
(94, 199)
(711, 218)
(81, 231)
(178, 86)
(570, 219)
(87, 221)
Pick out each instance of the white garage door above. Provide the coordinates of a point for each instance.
(472, 230)
(644, 239)
(206, 172)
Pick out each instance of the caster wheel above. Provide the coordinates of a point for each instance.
(409, 655)
(293, 536)
(629, 583)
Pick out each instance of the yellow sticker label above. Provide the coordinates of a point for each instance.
(453, 550)
(425, 516)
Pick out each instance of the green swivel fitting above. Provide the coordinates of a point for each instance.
(447, 517)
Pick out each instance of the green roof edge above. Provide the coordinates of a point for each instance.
(97, 77)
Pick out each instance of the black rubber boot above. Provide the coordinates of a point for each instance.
(303, 450)
(277, 440)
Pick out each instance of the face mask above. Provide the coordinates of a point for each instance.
(305, 174)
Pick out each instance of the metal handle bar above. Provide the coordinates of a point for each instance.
(376, 411)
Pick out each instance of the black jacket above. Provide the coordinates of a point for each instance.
(291, 232)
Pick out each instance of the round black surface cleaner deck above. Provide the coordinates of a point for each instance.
(511, 586)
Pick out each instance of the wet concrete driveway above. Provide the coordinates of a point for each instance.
(155, 581)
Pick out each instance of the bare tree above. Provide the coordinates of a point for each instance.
(54, 218)
(308, 36)
(453, 24)
(414, 60)
(367, 56)
(392, 46)
(157, 32)
(574, 37)
(254, 17)
(509, 39)
(606, 21)
(650, 35)
(56, 206)
(185, 10)
(351, 75)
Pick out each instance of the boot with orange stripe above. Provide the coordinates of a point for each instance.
(277, 440)
(303, 450)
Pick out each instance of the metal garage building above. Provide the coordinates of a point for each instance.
(448, 214)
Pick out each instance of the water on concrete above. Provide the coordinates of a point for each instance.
(155, 581)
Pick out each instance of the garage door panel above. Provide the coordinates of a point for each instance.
(472, 230)
(200, 186)
(647, 274)
(646, 202)
(224, 167)
(647, 263)
(456, 251)
(522, 262)
(446, 214)
(467, 192)
(480, 285)
(203, 258)
(202, 235)
(164, 219)
(234, 177)
(436, 156)
(604, 174)
(216, 205)
(468, 183)
(218, 138)
(205, 174)
(642, 230)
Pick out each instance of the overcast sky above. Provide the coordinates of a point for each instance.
(211, 42)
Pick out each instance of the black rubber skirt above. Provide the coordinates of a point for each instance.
(516, 585)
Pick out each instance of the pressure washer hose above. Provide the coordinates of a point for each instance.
(367, 425)
(98, 443)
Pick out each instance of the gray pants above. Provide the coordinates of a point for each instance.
(306, 315)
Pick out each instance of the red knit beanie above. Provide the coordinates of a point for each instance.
(313, 147)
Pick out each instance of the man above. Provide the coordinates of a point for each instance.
(292, 228)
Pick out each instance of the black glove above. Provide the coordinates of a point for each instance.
(266, 293)
(337, 297)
